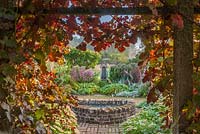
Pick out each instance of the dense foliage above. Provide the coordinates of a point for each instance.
(86, 89)
(125, 73)
(62, 72)
(87, 58)
(148, 121)
(135, 90)
(102, 83)
(31, 101)
(40, 102)
(116, 57)
(70, 72)
(112, 89)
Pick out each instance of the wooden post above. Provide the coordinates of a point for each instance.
(183, 69)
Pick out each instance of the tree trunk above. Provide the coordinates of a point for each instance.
(183, 69)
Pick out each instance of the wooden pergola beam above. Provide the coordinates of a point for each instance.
(104, 11)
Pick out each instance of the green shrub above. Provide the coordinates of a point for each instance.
(135, 90)
(125, 73)
(142, 104)
(112, 89)
(140, 89)
(148, 121)
(62, 73)
(86, 89)
(103, 83)
(87, 58)
(126, 94)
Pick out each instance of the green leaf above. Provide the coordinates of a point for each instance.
(11, 43)
(194, 126)
(160, 59)
(3, 93)
(196, 62)
(59, 35)
(172, 2)
(196, 100)
(1, 79)
(39, 114)
(3, 54)
(39, 55)
(8, 70)
(48, 41)
(17, 59)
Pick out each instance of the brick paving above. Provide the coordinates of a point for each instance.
(86, 128)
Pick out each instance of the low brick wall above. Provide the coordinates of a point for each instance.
(116, 111)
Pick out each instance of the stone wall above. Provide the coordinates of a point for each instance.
(117, 111)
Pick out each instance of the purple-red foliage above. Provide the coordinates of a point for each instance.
(81, 74)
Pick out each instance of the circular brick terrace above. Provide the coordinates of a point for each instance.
(104, 111)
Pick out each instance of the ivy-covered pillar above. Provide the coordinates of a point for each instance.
(7, 47)
(183, 69)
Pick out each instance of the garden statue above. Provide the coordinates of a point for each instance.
(104, 73)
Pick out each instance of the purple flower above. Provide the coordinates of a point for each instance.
(80, 74)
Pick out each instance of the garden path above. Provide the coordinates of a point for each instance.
(86, 128)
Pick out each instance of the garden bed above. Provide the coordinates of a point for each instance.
(104, 111)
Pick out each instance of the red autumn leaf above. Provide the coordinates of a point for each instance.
(125, 44)
(195, 91)
(177, 20)
(152, 53)
(143, 55)
(152, 96)
(146, 78)
(51, 57)
(103, 47)
(94, 43)
(88, 38)
(140, 63)
(75, 2)
(121, 49)
(133, 39)
(154, 2)
(43, 67)
(82, 46)
(98, 49)
(107, 44)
